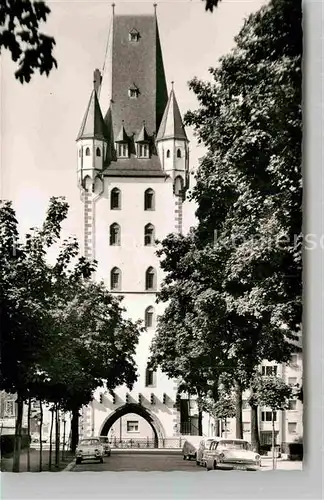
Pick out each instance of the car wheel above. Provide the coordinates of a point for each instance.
(215, 465)
(184, 457)
(78, 461)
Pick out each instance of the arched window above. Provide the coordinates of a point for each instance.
(149, 235)
(98, 152)
(149, 317)
(150, 279)
(179, 153)
(150, 377)
(115, 279)
(115, 199)
(149, 200)
(87, 152)
(115, 234)
(168, 153)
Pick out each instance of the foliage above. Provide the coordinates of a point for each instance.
(272, 392)
(248, 187)
(62, 334)
(233, 285)
(20, 34)
(223, 408)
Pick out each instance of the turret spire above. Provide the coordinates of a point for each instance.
(171, 124)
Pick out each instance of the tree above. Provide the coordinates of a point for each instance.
(249, 188)
(20, 34)
(274, 393)
(62, 334)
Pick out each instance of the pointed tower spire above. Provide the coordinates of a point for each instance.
(93, 125)
(171, 125)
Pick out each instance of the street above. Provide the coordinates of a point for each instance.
(145, 462)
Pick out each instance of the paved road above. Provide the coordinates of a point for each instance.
(148, 462)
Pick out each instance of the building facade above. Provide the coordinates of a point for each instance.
(133, 172)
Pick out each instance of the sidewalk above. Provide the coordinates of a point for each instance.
(6, 462)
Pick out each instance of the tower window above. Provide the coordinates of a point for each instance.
(133, 35)
(122, 150)
(133, 93)
(115, 199)
(115, 234)
(150, 279)
(178, 153)
(149, 200)
(115, 279)
(87, 152)
(149, 377)
(148, 235)
(98, 152)
(168, 153)
(149, 316)
(143, 151)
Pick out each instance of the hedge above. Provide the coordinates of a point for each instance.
(7, 443)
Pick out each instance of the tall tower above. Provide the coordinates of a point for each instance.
(133, 194)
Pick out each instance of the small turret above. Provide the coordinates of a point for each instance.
(172, 144)
(92, 140)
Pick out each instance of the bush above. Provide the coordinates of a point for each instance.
(7, 443)
(296, 451)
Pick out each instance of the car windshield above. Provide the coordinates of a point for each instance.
(234, 445)
(89, 442)
(104, 439)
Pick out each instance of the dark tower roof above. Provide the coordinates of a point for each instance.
(171, 125)
(93, 125)
(138, 92)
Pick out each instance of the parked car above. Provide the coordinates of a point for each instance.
(231, 454)
(105, 443)
(203, 445)
(89, 449)
(190, 447)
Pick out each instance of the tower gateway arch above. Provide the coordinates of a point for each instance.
(133, 164)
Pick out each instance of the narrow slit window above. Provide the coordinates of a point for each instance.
(115, 199)
(115, 234)
(149, 235)
(149, 317)
(115, 279)
(149, 200)
(87, 152)
(150, 279)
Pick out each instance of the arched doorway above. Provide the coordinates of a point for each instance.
(142, 412)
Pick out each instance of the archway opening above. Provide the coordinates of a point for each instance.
(132, 408)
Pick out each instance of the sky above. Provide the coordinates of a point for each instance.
(40, 120)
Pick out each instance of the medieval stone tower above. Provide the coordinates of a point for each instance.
(132, 171)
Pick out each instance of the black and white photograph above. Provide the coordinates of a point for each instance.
(151, 244)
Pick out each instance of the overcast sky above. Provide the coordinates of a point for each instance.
(40, 120)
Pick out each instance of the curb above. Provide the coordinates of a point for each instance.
(69, 467)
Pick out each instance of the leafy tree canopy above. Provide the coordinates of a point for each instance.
(20, 34)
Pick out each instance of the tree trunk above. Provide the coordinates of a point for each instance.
(57, 437)
(255, 439)
(28, 434)
(41, 436)
(64, 429)
(200, 432)
(238, 410)
(51, 439)
(17, 445)
(74, 429)
(273, 441)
